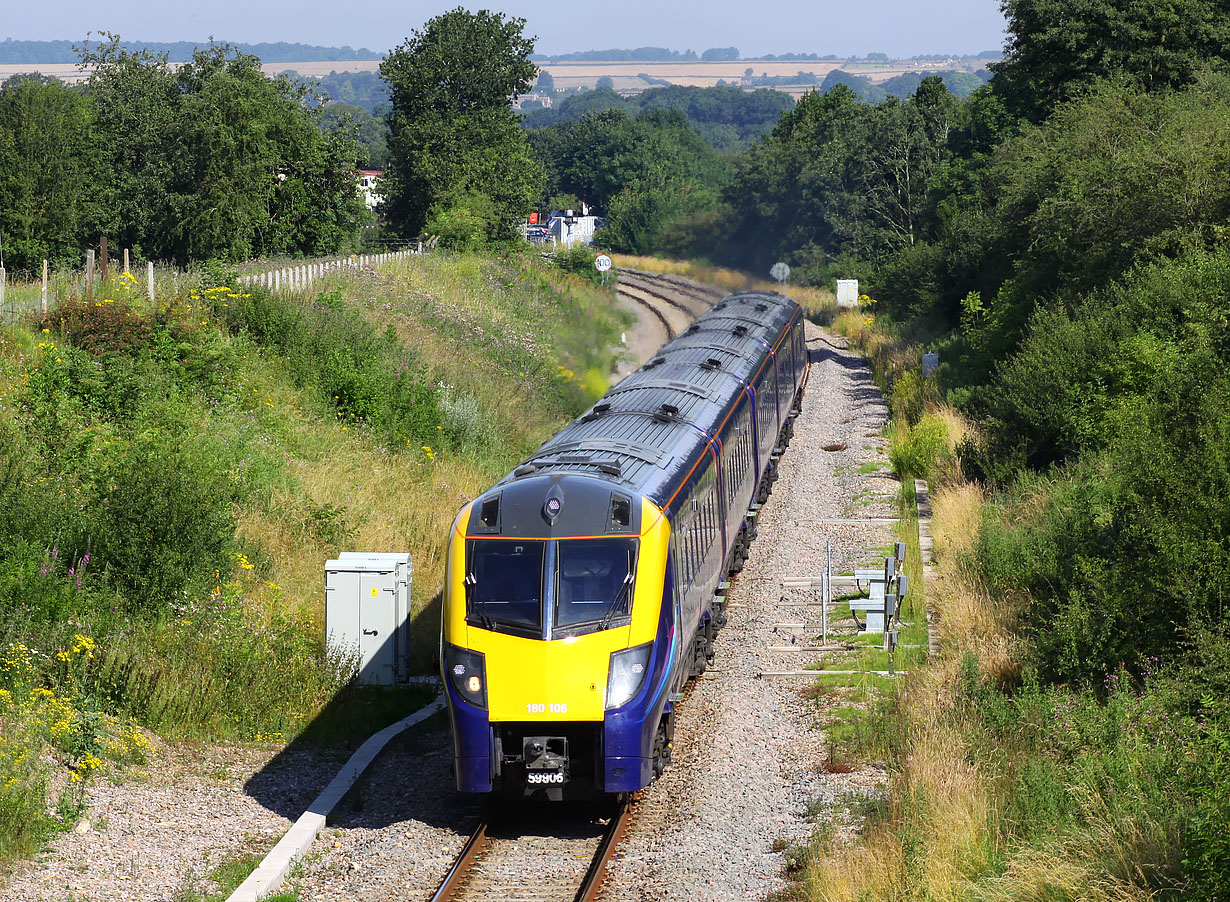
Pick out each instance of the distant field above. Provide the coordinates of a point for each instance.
(706, 74)
(574, 75)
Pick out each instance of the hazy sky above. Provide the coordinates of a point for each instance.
(895, 27)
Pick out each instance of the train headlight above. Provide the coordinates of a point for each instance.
(627, 674)
(467, 671)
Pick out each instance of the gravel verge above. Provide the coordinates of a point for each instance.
(746, 778)
(165, 824)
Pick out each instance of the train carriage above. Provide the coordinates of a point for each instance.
(584, 589)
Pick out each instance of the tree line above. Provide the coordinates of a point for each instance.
(211, 159)
(12, 51)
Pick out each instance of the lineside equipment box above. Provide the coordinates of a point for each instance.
(847, 292)
(367, 612)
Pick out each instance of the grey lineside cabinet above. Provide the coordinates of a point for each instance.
(367, 613)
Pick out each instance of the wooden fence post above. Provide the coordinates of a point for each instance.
(103, 257)
(44, 288)
(149, 271)
(126, 272)
(89, 272)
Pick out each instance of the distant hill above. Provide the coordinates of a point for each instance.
(62, 51)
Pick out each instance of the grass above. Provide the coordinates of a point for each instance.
(1036, 793)
(173, 478)
(225, 877)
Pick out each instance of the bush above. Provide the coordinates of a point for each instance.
(579, 260)
(164, 519)
(461, 224)
(365, 376)
(916, 452)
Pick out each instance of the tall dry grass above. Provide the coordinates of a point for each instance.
(940, 825)
(968, 619)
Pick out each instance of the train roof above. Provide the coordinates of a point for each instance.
(645, 434)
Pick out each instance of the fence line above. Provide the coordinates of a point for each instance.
(304, 275)
(31, 292)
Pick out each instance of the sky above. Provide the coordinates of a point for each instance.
(900, 28)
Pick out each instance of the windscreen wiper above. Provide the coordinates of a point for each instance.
(473, 603)
(610, 608)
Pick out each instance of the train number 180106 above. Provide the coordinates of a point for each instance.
(543, 708)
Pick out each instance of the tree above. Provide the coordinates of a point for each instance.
(215, 159)
(370, 131)
(1056, 47)
(46, 162)
(135, 99)
(453, 134)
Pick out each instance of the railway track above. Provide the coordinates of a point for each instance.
(669, 325)
(690, 297)
(537, 854)
(671, 304)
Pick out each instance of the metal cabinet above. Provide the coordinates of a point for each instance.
(367, 613)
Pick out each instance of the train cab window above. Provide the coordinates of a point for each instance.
(594, 582)
(504, 585)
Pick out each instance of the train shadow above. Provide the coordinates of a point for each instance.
(410, 780)
(820, 350)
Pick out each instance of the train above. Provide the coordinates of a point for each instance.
(586, 587)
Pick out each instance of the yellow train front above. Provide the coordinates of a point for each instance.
(584, 589)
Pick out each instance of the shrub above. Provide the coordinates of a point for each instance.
(328, 346)
(107, 324)
(917, 451)
(164, 521)
(462, 223)
(579, 260)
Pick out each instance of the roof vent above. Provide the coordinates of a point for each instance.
(740, 331)
(610, 468)
(711, 364)
(762, 307)
(527, 470)
(603, 407)
(657, 361)
(669, 408)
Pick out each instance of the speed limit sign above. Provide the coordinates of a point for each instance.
(602, 263)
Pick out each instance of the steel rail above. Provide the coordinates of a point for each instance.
(454, 884)
(591, 886)
(627, 293)
(461, 867)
